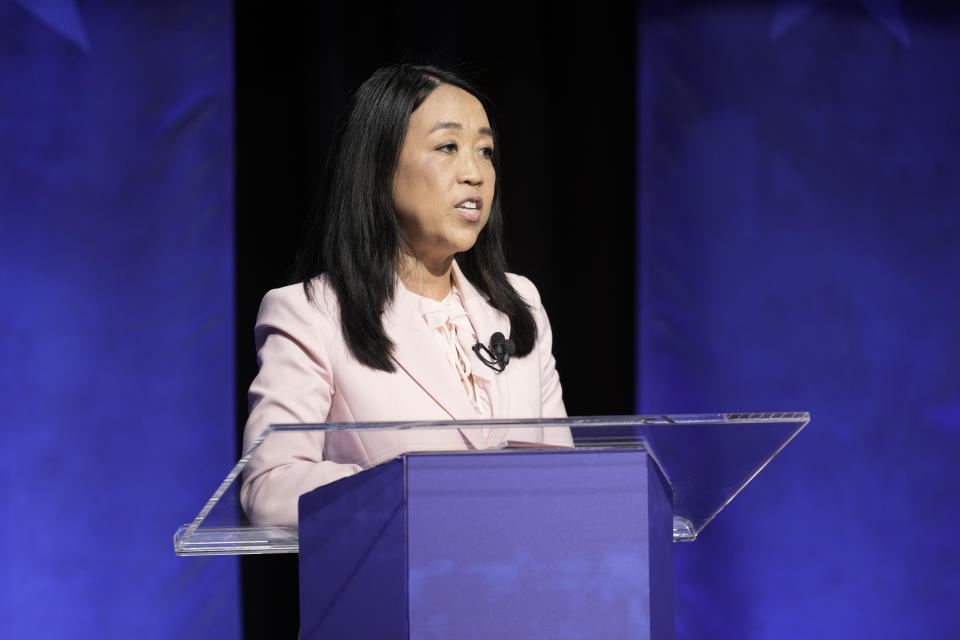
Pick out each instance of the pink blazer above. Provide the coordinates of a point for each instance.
(307, 375)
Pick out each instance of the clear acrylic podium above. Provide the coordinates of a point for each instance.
(513, 541)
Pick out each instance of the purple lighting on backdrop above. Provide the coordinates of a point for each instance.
(889, 13)
(116, 319)
(60, 15)
(799, 250)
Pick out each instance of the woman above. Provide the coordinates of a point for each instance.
(401, 273)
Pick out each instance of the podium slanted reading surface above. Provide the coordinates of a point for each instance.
(514, 542)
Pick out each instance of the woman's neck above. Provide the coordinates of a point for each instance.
(430, 280)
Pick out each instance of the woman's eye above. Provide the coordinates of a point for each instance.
(487, 152)
(450, 147)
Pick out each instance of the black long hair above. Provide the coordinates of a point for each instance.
(353, 236)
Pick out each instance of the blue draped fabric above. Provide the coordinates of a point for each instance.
(800, 250)
(116, 315)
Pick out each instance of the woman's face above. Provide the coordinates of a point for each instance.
(444, 182)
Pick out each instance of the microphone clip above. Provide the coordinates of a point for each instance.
(498, 355)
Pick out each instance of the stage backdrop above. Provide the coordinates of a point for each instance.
(800, 250)
(116, 315)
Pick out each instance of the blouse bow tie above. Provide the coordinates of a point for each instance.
(448, 318)
(446, 313)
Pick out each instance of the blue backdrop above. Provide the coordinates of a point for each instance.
(799, 250)
(116, 315)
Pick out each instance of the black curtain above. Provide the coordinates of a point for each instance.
(564, 85)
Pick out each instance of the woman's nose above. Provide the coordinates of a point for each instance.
(470, 171)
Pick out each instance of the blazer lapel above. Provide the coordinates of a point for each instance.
(417, 353)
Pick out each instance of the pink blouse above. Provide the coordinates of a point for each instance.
(455, 335)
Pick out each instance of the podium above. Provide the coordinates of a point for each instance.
(509, 542)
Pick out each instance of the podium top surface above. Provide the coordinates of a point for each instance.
(707, 459)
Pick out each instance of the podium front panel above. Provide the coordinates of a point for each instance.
(539, 545)
(509, 545)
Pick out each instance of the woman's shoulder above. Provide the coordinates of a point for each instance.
(292, 302)
(525, 287)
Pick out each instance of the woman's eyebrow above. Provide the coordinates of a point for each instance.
(487, 131)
